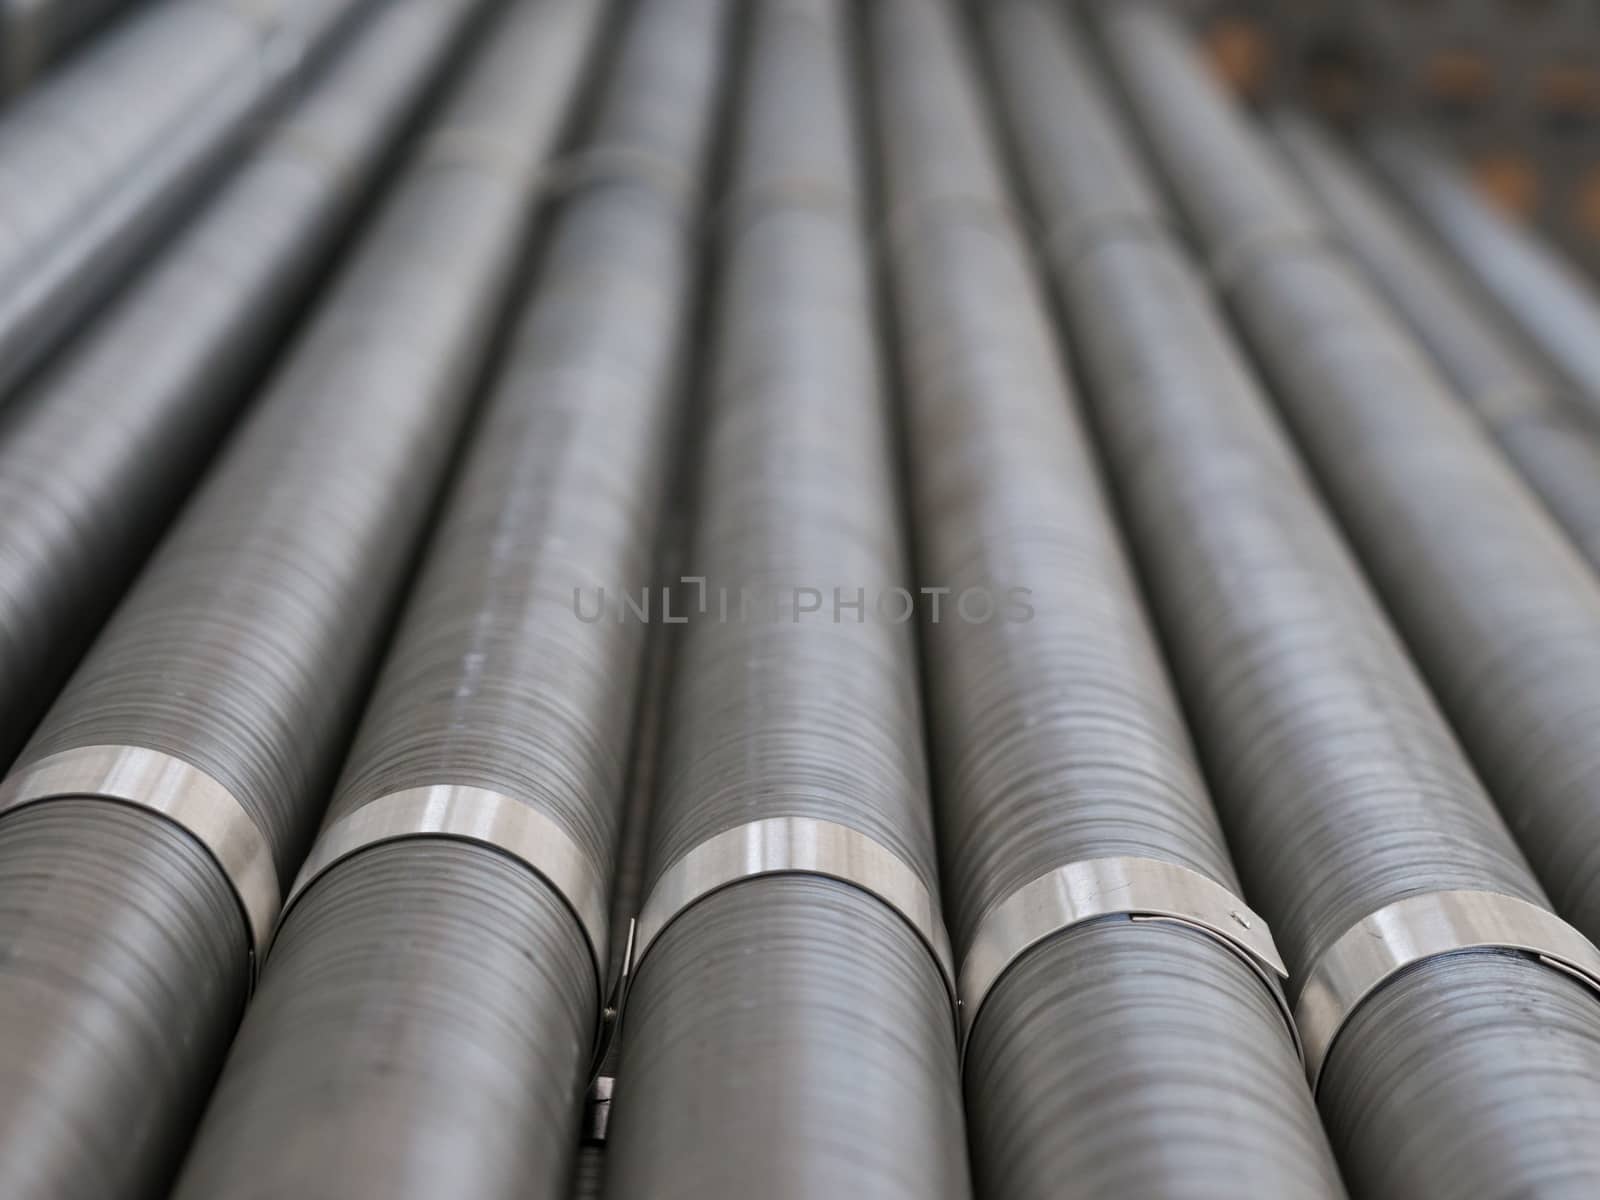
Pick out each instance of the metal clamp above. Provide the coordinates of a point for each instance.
(183, 794)
(478, 815)
(794, 845)
(1383, 943)
(1140, 889)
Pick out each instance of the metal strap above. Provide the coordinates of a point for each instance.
(1140, 889)
(794, 846)
(1382, 944)
(478, 815)
(178, 791)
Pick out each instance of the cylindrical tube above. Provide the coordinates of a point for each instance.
(98, 162)
(100, 447)
(1341, 788)
(1538, 291)
(470, 1084)
(35, 32)
(1115, 1057)
(791, 1035)
(1500, 610)
(1523, 406)
(244, 649)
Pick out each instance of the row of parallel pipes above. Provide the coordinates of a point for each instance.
(791, 1032)
(170, 792)
(1062, 754)
(98, 450)
(1343, 792)
(446, 979)
(1246, 655)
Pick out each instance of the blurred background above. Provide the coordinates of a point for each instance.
(1512, 85)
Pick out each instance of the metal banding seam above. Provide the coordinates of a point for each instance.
(796, 725)
(1071, 803)
(244, 651)
(1344, 792)
(461, 884)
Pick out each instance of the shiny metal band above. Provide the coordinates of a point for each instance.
(178, 791)
(794, 846)
(470, 814)
(1141, 889)
(1399, 935)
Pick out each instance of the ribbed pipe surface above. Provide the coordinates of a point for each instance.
(422, 1030)
(1511, 390)
(1501, 611)
(788, 1038)
(1056, 732)
(98, 450)
(111, 1021)
(245, 647)
(495, 682)
(101, 160)
(791, 1036)
(35, 32)
(1537, 290)
(1139, 1060)
(1340, 786)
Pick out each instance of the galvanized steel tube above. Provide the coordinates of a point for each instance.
(1520, 401)
(1341, 788)
(1116, 1057)
(442, 990)
(243, 652)
(791, 1035)
(98, 450)
(98, 162)
(1540, 293)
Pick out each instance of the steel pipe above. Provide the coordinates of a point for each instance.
(1341, 788)
(99, 162)
(243, 652)
(792, 1033)
(1519, 400)
(483, 961)
(35, 32)
(1541, 294)
(99, 449)
(1113, 1055)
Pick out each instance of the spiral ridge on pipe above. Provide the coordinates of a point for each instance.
(488, 985)
(792, 1035)
(1341, 788)
(1058, 738)
(248, 641)
(97, 450)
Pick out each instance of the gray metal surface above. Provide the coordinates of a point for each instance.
(34, 32)
(485, 969)
(1554, 304)
(1340, 786)
(1524, 405)
(97, 163)
(246, 646)
(97, 451)
(1058, 739)
(790, 1035)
